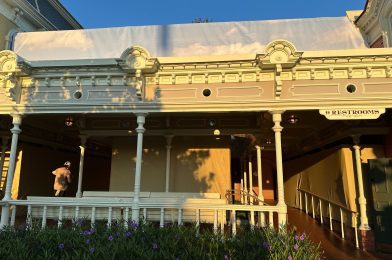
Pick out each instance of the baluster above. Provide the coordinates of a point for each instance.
(60, 218)
(29, 220)
(222, 218)
(330, 216)
(43, 225)
(13, 215)
(306, 203)
(110, 211)
(93, 216)
(252, 219)
(162, 221)
(300, 200)
(261, 219)
(321, 212)
(313, 207)
(215, 221)
(233, 223)
(77, 215)
(271, 219)
(179, 221)
(126, 217)
(356, 230)
(145, 215)
(342, 222)
(197, 220)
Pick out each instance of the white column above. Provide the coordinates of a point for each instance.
(169, 139)
(17, 121)
(245, 182)
(81, 165)
(282, 208)
(250, 175)
(259, 173)
(4, 146)
(141, 118)
(361, 199)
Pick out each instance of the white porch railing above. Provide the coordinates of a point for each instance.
(317, 206)
(155, 210)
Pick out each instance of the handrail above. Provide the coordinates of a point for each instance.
(218, 212)
(105, 204)
(244, 193)
(341, 207)
(328, 200)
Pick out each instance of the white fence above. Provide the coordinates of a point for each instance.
(161, 210)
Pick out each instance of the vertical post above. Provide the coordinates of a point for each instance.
(169, 139)
(17, 121)
(330, 216)
(241, 191)
(141, 119)
(361, 199)
(259, 173)
(4, 145)
(313, 214)
(250, 177)
(282, 208)
(300, 200)
(81, 165)
(245, 184)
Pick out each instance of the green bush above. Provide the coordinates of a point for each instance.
(149, 242)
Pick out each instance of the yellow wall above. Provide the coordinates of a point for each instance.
(328, 174)
(198, 164)
(33, 175)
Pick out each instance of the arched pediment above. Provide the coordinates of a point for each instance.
(280, 52)
(137, 58)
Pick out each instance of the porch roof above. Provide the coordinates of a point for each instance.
(246, 37)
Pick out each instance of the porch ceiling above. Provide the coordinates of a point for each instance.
(312, 130)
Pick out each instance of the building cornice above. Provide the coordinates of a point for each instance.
(65, 14)
(33, 15)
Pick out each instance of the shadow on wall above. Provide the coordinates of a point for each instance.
(190, 162)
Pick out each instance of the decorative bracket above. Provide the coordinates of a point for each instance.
(11, 66)
(137, 60)
(279, 55)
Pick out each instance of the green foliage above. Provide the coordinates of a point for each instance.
(149, 242)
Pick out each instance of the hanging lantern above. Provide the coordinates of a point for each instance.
(69, 121)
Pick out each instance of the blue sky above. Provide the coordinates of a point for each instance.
(104, 13)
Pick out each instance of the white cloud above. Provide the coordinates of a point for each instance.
(71, 40)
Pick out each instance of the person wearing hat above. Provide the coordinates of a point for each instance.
(63, 178)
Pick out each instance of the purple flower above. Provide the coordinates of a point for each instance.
(154, 246)
(128, 234)
(226, 257)
(266, 245)
(296, 246)
(61, 246)
(302, 237)
(289, 258)
(92, 249)
(86, 232)
(110, 238)
(134, 225)
(88, 241)
(296, 237)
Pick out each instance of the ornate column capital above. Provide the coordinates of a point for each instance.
(141, 120)
(169, 139)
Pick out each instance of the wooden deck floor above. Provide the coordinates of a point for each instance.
(333, 246)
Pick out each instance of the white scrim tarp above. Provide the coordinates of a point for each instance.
(204, 39)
